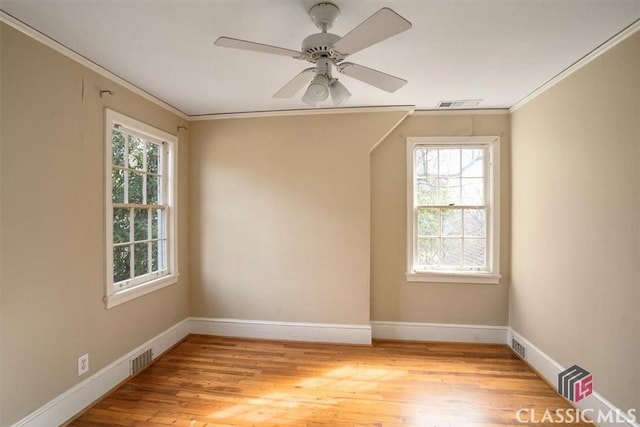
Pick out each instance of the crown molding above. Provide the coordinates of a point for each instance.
(62, 49)
(595, 53)
(304, 112)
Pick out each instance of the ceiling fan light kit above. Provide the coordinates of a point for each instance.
(318, 89)
(339, 93)
(327, 50)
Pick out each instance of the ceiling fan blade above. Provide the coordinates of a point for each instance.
(373, 77)
(381, 25)
(295, 84)
(257, 47)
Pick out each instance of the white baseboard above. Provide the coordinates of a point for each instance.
(411, 331)
(71, 402)
(549, 369)
(317, 332)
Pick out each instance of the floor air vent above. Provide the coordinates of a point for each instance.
(140, 362)
(519, 348)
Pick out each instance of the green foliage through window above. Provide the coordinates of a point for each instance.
(139, 210)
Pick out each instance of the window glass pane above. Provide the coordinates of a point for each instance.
(153, 184)
(135, 188)
(472, 163)
(117, 185)
(449, 162)
(427, 191)
(452, 222)
(154, 256)
(432, 162)
(420, 166)
(472, 191)
(121, 225)
(141, 224)
(474, 252)
(449, 191)
(428, 222)
(162, 254)
(117, 148)
(428, 252)
(452, 252)
(153, 157)
(141, 259)
(155, 224)
(474, 223)
(121, 263)
(136, 153)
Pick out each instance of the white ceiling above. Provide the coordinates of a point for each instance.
(495, 50)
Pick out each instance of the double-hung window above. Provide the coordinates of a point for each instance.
(140, 208)
(453, 212)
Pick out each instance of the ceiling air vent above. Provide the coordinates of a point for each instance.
(459, 103)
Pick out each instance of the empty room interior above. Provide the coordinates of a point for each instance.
(305, 213)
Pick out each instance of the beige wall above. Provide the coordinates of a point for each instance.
(280, 217)
(52, 245)
(576, 203)
(392, 297)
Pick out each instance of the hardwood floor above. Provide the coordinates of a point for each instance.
(213, 381)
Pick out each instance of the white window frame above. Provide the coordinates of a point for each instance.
(492, 191)
(114, 295)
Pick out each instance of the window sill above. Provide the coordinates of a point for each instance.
(137, 291)
(454, 277)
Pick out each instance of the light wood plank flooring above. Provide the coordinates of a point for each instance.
(213, 382)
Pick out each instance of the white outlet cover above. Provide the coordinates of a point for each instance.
(83, 364)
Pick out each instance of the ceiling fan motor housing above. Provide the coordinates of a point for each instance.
(320, 44)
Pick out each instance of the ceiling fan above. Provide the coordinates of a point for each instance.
(327, 50)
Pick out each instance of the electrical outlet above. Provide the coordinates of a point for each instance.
(83, 364)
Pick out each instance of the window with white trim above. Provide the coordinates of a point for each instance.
(453, 212)
(140, 208)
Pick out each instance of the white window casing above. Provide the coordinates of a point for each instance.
(489, 273)
(164, 206)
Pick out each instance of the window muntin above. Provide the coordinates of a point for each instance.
(452, 219)
(141, 208)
